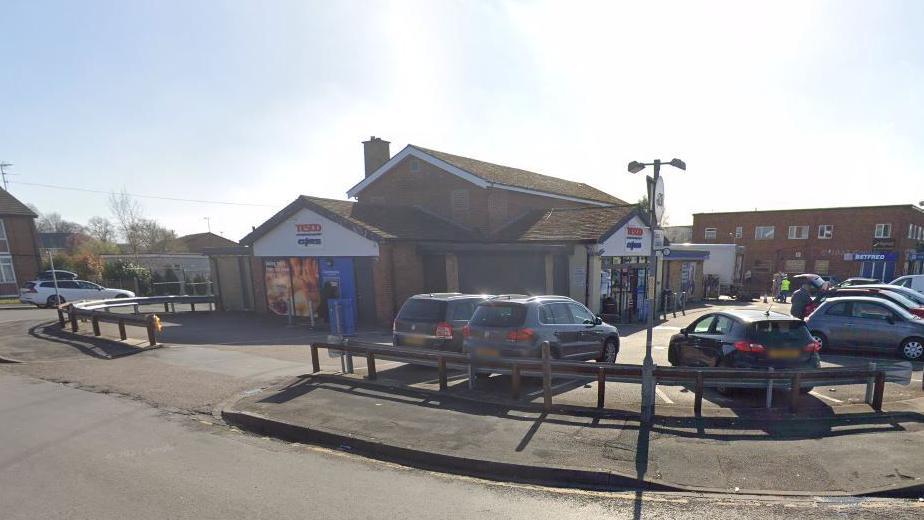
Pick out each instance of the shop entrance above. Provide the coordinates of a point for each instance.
(624, 294)
(881, 270)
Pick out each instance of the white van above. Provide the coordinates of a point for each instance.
(911, 281)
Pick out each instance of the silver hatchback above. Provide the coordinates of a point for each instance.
(864, 323)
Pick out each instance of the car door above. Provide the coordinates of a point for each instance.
(90, 291)
(589, 339)
(69, 290)
(690, 353)
(835, 324)
(711, 344)
(874, 326)
(557, 316)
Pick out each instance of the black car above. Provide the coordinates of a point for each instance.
(434, 320)
(745, 339)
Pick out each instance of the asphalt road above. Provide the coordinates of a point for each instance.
(68, 453)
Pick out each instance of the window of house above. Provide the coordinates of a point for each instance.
(910, 230)
(4, 244)
(764, 232)
(822, 266)
(825, 231)
(710, 233)
(883, 231)
(739, 232)
(798, 232)
(6, 270)
(459, 202)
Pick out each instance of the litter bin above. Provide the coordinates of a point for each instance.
(341, 316)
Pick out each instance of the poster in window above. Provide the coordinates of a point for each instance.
(278, 286)
(305, 290)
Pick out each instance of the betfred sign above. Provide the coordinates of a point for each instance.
(308, 235)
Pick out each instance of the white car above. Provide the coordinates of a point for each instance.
(42, 292)
(911, 281)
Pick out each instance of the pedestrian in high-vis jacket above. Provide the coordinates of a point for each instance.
(784, 290)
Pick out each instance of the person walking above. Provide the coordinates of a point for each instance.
(784, 289)
(800, 299)
(775, 289)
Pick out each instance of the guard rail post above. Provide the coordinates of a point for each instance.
(441, 370)
(122, 333)
(547, 375)
(166, 307)
(601, 386)
(315, 364)
(95, 322)
(515, 381)
(61, 317)
(870, 383)
(877, 393)
(796, 386)
(73, 316)
(370, 365)
(472, 371)
(698, 394)
(152, 335)
(770, 389)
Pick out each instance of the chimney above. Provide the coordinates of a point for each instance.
(376, 153)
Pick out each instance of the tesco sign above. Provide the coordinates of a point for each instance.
(635, 231)
(309, 235)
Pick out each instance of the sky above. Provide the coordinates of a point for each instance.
(772, 105)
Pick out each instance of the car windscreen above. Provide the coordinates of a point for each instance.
(780, 333)
(499, 315)
(423, 310)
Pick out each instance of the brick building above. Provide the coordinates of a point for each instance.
(19, 247)
(428, 221)
(881, 242)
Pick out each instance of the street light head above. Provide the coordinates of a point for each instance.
(635, 167)
(677, 163)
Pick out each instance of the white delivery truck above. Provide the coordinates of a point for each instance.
(722, 271)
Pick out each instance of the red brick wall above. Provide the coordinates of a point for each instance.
(384, 288)
(431, 189)
(853, 232)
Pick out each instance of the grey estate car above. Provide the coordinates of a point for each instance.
(516, 326)
(859, 322)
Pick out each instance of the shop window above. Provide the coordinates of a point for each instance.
(798, 232)
(764, 232)
(822, 266)
(739, 232)
(6, 270)
(883, 231)
(825, 231)
(710, 233)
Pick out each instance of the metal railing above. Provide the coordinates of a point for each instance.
(601, 373)
(96, 311)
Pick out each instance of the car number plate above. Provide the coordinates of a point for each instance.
(492, 352)
(788, 353)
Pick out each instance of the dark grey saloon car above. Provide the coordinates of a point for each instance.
(863, 323)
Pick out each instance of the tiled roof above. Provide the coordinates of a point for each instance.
(197, 242)
(518, 178)
(372, 220)
(10, 205)
(580, 224)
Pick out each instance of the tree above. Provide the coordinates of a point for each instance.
(54, 223)
(128, 216)
(101, 229)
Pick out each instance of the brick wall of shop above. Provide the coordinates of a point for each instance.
(433, 189)
(23, 250)
(853, 231)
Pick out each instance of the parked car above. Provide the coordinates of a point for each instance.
(851, 282)
(434, 320)
(873, 292)
(864, 323)
(833, 280)
(747, 338)
(42, 292)
(516, 326)
(911, 294)
(57, 273)
(911, 281)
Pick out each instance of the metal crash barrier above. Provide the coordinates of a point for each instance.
(698, 378)
(96, 311)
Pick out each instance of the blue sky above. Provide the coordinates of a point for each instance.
(778, 105)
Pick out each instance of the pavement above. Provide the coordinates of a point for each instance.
(209, 361)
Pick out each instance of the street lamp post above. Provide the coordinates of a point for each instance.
(648, 383)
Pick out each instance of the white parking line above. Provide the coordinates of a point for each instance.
(664, 396)
(823, 396)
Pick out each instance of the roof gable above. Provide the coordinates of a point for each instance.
(485, 174)
(11, 206)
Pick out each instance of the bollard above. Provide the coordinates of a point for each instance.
(870, 383)
(877, 393)
(315, 364)
(601, 386)
(546, 376)
(95, 322)
(152, 337)
(698, 395)
(61, 317)
(370, 365)
(796, 384)
(122, 333)
(770, 390)
(73, 318)
(515, 381)
(441, 370)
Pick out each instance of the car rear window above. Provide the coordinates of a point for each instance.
(499, 315)
(780, 333)
(462, 310)
(422, 310)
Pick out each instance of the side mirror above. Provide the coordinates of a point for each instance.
(683, 331)
(598, 321)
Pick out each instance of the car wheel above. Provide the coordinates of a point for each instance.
(821, 339)
(54, 301)
(610, 351)
(912, 349)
